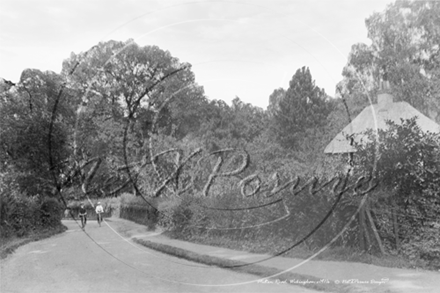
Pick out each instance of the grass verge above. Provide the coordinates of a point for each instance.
(343, 254)
(9, 245)
(264, 272)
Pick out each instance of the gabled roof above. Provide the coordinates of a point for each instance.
(374, 117)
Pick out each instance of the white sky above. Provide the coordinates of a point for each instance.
(244, 48)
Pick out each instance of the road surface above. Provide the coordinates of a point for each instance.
(101, 260)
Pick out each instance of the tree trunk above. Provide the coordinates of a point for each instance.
(90, 175)
(396, 228)
(117, 189)
(361, 229)
(376, 234)
(368, 242)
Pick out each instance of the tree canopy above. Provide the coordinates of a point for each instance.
(405, 50)
(303, 107)
(121, 117)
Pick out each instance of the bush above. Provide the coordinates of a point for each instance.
(175, 214)
(425, 246)
(407, 162)
(111, 206)
(134, 208)
(21, 215)
(51, 212)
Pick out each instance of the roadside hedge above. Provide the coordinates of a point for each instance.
(20, 215)
(135, 209)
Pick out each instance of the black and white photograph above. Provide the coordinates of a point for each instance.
(189, 146)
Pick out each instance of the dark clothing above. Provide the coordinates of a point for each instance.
(82, 211)
(83, 216)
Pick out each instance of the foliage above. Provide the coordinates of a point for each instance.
(30, 138)
(230, 126)
(52, 211)
(407, 162)
(123, 118)
(424, 245)
(129, 93)
(136, 209)
(405, 51)
(135, 77)
(174, 214)
(21, 215)
(111, 206)
(300, 110)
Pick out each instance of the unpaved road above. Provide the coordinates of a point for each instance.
(101, 260)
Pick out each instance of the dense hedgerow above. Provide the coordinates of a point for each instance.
(407, 163)
(136, 209)
(21, 215)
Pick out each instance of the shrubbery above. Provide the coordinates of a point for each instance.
(424, 246)
(135, 209)
(408, 171)
(21, 215)
(407, 163)
(230, 218)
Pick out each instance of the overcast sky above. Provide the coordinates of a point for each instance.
(244, 48)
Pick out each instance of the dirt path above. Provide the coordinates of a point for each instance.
(100, 260)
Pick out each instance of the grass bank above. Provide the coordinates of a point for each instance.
(9, 245)
(264, 272)
(343, 254)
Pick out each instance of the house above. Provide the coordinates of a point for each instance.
(374, 117)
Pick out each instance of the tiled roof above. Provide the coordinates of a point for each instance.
(374, 117)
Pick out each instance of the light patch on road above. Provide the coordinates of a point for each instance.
(73, 230)
(144, 264)
(404, 285)
(146, 235)
(241, 256)
(37, 251)
(409, 275)
(219, 252)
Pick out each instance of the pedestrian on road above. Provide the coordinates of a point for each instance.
(99, 210)
(83, 215)
(66, 213)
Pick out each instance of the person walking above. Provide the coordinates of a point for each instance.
(83, 215)
(66, 213)
(99, 210)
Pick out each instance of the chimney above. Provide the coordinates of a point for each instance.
(384, 98)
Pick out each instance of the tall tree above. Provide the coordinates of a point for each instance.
(125, 90)
(405, 50)
(274, 101)
(34, 146)
(249, 121)
(303, 109)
